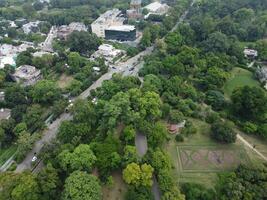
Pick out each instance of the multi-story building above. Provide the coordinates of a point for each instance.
(135, 11)
(121, 33)
(110, 24)
(26, 75)
(65, 30)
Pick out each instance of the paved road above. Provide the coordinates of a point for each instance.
(246, 143)
(141, 144)
(52, 129)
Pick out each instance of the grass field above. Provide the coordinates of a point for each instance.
(239, 78)
(5, 154)
(64, 81)
(117, 191)
(199, 159)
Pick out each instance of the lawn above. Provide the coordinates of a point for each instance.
(199, 159)
(117, 190)
(239, 78)
(64, 81)
(5, 154)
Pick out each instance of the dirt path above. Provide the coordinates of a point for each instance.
(246, 143)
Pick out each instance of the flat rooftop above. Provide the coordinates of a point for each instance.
(108, 15)
(125, 28)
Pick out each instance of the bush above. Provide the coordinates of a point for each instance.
(179, 138)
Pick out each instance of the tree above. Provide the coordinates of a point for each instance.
(15, 95)
(130, 155)
(75, 62)
(33, 117)
(146, 39)
(2, 136)
(25, 142)
(217, 42)
(128, 134)
(24, 58)
(45, 92)
(82, 158)
(215, 99)
(261, 46)
(246, 182)
(137, 175)
(223, 132)
(195, 191)
(20, 128)
(176, 116)
(80, 186)
(26, 188)
(174, 42)
(48, 182)
(157, 134)
(83, 42)
(249, 102)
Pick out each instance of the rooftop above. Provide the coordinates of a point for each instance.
(153, 7)
(109, 15)
(126, 28)
(26, 72)
(5, 113)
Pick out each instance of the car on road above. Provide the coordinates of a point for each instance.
(131, 69)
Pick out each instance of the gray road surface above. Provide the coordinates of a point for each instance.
(52, 129)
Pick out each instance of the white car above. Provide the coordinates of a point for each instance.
(34, 158)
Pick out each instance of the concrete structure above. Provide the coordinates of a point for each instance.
(27, 75)
(110, 26)
(30, 27)
(9, 52)
(121, 33)
(135, 10)
(64, 31)
(250, 53)
(156, 8)
(8, 60)
(5, 113)
(2, 96)
(107, 52)
(109, 18)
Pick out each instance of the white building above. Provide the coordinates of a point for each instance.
(107, 52)
(9, 52)
(109, 18)
(5, 113)
(30, 27)
(26, 75)
(65, 30)
(250, 53)
(8, 60)
(156, 8)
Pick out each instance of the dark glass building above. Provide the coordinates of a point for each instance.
(121, 33)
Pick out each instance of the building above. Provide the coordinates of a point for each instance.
(64, 31)
(156, 8)
(109, 18)
(135, 11)
(26, 75)
(250, 53)
(5, 113)
(31, 27)
(2, 96)
(9, 52)
(110, 26)
(121, 33)
(107, 52)
(8, 60)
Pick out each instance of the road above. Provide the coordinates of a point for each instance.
(51, 131)
(246, 143)
(47, 44)
(122, 67)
